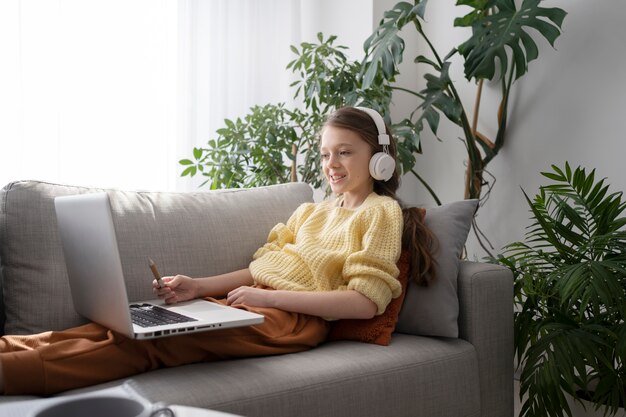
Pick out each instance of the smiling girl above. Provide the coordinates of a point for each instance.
(331, 260)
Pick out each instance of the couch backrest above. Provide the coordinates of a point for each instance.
(195, 233)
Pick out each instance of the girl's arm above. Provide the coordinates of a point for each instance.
(347, 304)
(183, 288)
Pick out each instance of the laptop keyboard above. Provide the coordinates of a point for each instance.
(148, 315)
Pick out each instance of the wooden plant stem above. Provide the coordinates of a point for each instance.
(479, 93)
(294, 174)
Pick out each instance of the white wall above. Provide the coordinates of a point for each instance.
(348, 19)
(570, 106)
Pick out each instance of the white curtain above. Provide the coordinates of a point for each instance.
(86, 91)
(112, 93)
(236, 61)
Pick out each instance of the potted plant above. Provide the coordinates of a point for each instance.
(570, 294)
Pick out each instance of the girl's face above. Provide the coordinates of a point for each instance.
(345, 162)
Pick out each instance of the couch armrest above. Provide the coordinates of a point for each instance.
(486, 321)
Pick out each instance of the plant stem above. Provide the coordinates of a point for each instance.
(430, 45)
(473, 180)
(479, 93)
(475, 164)
(406, 90)
(480, 236)
(472, 185)
(294, 152)
(502, 118)
(425, 184)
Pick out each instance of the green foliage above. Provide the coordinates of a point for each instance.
(498, 36)
(324, 70)
(258, 149)
(505, 28)
(436, 99)
(248, 152)
(570, 289)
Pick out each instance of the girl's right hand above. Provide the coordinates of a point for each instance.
(176, 289)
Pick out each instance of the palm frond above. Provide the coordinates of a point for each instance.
(570, 290)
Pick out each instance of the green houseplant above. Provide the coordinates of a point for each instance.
(499, 49)
(273, 143)
(570, 290)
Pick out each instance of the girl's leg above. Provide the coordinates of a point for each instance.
(57, 361)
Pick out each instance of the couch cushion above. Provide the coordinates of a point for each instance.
(412, 377)
(434, 310)
(197, 234)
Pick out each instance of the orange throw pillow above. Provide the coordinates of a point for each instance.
(376, 330)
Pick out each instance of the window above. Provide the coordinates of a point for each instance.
(112, 93)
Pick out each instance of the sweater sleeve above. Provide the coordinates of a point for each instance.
(283, 234)
(373, 271)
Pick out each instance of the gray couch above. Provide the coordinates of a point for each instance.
(206, 233)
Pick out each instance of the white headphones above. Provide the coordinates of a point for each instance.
(382, 165)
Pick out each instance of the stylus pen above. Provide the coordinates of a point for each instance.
(155, 272)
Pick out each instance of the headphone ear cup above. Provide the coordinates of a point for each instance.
(382, 166)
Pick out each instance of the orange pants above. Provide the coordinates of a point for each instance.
(52, 362)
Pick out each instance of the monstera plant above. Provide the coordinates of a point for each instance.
(570, 290)
(499, 49)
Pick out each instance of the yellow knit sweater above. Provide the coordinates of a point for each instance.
(324, 247)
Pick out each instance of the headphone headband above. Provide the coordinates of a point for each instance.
(383, 137)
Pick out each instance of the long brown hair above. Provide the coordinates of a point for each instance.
(416, 237)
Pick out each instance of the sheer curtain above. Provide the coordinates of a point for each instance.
(112, 93)
(86, 91)
(236, 61)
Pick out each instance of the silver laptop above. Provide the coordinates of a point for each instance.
(97, 282)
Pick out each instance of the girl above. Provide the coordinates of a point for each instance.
(331, 260)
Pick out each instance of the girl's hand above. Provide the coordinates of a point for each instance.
(176, 289)
(250, 296)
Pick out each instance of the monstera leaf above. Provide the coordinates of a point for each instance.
(437, 97)
(384, 47)
(492, 33)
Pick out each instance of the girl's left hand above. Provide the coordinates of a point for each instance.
(250, 296)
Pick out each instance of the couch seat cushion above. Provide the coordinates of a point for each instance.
(424, 377)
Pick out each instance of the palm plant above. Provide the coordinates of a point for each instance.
(570, 290)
